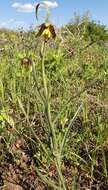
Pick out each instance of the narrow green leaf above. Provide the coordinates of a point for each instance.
(69, 127)
(22, 107)
(47, 180)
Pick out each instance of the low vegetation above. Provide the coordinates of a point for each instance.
(54, 108)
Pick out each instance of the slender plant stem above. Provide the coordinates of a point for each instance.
(47, 102)
(43, 70)
(55, 149)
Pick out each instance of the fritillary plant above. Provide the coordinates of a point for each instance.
(47, 31)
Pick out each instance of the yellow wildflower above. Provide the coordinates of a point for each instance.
(47, 31)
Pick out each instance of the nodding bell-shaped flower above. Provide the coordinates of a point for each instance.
(47, 31)
(27, 62)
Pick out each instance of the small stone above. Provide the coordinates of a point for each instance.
(10, 186)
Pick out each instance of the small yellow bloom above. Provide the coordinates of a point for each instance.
(47, 31)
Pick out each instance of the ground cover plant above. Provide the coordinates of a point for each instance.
(54, 107)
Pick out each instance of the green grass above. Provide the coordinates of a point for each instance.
(57, 130)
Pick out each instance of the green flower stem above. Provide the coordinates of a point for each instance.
(55, 149)
(47, 102)
(43, 70)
